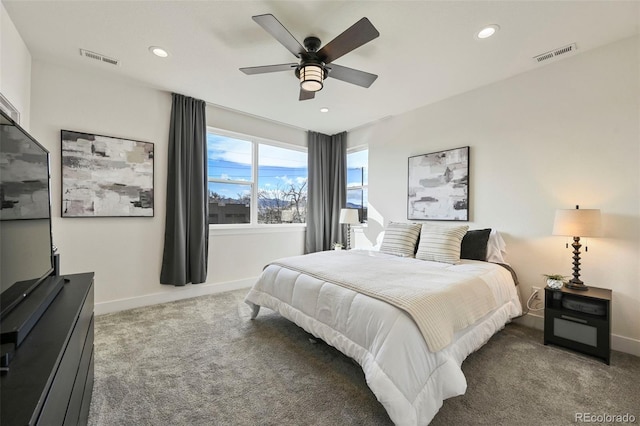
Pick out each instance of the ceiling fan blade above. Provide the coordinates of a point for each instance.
(350, 75)
(304, 95)
(268, 68)
(280, 33)
(353, 37)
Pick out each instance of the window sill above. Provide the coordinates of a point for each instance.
(247, 229)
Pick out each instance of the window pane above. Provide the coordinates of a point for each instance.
(282, 185)
(357, 180)
(229, 203)
(357, 198)
(357, 168)
(228, 158)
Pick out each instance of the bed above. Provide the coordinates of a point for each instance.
(364, 304)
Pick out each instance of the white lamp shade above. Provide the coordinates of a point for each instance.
(577, 223)
(311, 77)
(349, 216)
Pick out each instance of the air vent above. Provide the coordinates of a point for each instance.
(98, 57)
(571, 48)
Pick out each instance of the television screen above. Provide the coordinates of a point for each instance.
(25, 211)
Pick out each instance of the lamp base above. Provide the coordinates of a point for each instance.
(576, 286)
(576, 283)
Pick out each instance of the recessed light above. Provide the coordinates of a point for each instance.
(325, 109)
(488, 31)
(158, 51)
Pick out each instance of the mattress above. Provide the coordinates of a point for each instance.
(408, 379)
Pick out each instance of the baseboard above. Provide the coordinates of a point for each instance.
(531, 320)
(172, 294)
(625, 344)
(618, 343)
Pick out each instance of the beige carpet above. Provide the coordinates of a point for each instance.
(203, 362)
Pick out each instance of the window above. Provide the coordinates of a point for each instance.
(358, 182)
(282, 185)
(230, 179)
(252, 181)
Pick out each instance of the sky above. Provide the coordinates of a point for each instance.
(229, 159)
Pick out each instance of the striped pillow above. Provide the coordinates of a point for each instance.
(400, 239)
(441, 243)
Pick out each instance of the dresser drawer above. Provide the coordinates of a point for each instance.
(55, 406)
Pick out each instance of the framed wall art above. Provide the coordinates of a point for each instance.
(438, 186)
(104, 176)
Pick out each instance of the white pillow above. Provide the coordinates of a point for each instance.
(400, 239)
(441, 243)
(496, 248)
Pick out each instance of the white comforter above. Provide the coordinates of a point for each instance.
(409, 381)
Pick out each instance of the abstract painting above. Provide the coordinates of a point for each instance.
(104, 176)
(438, 185)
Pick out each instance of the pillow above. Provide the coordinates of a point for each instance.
(474, 244)
(400, 239)
(441, 243)
(496, 248)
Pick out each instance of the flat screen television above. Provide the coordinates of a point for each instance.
(26, 250)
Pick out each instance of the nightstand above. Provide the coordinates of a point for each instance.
(579, 320)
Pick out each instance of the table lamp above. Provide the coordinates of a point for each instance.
(349, 217)
(577, 223)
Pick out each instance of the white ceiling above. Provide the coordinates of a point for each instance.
(427, 50)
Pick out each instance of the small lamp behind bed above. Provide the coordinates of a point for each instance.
(577, 223)
(349, 217)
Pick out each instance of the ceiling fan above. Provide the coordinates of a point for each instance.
(316, 65)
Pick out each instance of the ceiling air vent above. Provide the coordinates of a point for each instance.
(571, 48)
(98, 57)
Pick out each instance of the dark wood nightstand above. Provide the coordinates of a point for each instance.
(579, 320)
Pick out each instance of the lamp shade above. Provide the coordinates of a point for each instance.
(311, 77)
(349, 216)
(577, 223)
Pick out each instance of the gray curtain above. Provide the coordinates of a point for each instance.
(327, 190)
(186, 234)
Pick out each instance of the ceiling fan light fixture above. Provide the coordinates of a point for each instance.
(311, 77)
(315, 63)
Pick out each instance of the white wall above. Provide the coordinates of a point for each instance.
(564, 134)
(126, 253)
(15, 68)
